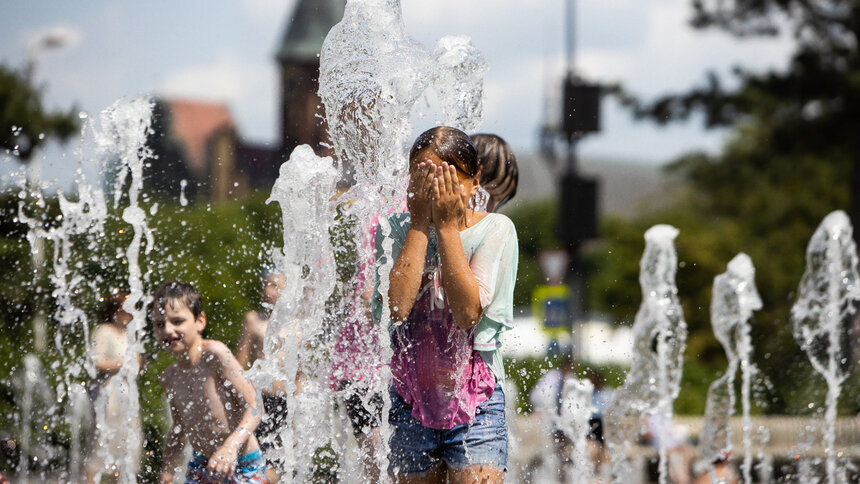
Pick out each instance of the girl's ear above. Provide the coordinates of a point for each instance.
(201, 323)
(476, 182)
(474, 189)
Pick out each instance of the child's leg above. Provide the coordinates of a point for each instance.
(414, 454)
(477, 474)
(435, 476)
(478, 451)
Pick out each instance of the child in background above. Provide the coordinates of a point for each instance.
(251, 350)
(450, 297)
(356, 364)
(212, 404)
(108, 394)
(499, 171)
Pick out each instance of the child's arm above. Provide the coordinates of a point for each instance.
(222, 462)
(243, 353)
(461, 287)
(175, 440)
(405, 276)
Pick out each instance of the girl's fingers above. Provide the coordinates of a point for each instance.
(449, 184)
(429, 177)
(436, 189)
(424, 178)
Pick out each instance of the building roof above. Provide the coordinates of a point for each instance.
(307, 26)
(193, 123)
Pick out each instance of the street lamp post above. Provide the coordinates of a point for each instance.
(577, 214)
(52, 39)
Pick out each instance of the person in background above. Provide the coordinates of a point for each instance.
(661, 429)
(108, 350)
(499, 171)
(356, 365)
(545, 398)
(250, 349)
(599, 400)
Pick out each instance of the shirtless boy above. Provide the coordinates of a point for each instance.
(212, 404)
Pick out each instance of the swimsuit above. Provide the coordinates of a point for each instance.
(250, 468)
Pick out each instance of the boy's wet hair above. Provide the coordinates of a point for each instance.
(499, 171)
(177, 291)
(451, 145)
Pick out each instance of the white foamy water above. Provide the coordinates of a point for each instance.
(303, 190)
(119, 139)
(735, 298)
(660, 333)
(372, 74)
(574, 412)
(827, 300)
(122, 135)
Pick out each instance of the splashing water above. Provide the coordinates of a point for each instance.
(734, 300)
(125, 127)
(828, 295)
(371, 76)
(34, 391)
(183, 200)
(660, 333)
(480, 200)
(303, 190)
(120, 137)
(574, 412)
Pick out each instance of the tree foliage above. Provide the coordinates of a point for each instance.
(24, 122)
(792, 157)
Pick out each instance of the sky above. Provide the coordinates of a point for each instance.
(224, 51)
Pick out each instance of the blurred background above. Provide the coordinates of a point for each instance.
(733, 121)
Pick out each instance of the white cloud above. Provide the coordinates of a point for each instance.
(268, 12)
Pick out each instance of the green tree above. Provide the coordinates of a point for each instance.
(24, 122)
(535, 223)
(792, 158)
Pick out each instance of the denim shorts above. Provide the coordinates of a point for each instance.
(416, 449)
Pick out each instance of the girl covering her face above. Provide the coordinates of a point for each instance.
(450, 296)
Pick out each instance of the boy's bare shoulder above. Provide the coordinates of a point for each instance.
(216, 351)
(254, 325)
(253, 317)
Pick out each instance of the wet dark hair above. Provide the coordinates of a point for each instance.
(177, 291)
(112, 304)
(449, 144)
(499, 171)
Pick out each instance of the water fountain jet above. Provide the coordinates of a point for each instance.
(827, 301)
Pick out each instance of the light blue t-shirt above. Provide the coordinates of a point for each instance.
(491, 248)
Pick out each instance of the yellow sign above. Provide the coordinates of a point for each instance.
(551, 306)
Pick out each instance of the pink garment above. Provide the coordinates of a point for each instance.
(356, 352)
(436, 369)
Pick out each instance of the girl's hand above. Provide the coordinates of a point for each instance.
(222, 464)
(418, 195)
(448, 206)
